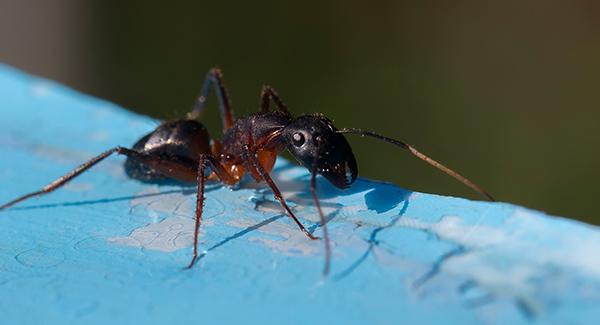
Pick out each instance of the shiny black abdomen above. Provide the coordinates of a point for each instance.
(181, 140)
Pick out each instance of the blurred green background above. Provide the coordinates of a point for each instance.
(505, 92)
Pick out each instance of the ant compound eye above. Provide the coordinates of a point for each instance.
(298, 139)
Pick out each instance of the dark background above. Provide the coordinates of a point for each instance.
(505, 92)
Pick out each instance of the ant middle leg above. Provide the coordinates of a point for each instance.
(199, 207)
(214, 77)
(225, 177)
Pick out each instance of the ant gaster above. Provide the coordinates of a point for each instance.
(179, 150)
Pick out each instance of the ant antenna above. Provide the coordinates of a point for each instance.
(421, 156)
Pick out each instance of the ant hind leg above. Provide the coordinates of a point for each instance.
(267, 94)
(63, 179)
(214, 77)
(171, 167)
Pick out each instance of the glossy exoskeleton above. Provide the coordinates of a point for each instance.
(180, 150)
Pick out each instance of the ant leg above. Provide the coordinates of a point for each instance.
(64, 179)
(251, 158)
(199, 206)
(224, 177)
(171, 167)
(267, 94)
(214, 77)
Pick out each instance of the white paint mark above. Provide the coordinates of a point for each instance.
(291, 240)
(168, 235)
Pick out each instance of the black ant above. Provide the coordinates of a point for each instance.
(179, 150)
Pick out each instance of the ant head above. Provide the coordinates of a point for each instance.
(314, 142)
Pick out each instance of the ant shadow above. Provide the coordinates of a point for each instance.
(381, 197)
(240, 234)
(184, 190)
(378, 197)
(373, 241)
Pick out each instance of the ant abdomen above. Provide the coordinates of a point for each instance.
(181, 141)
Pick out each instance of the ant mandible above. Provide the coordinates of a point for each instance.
(179, 150)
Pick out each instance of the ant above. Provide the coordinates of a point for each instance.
(180, 150)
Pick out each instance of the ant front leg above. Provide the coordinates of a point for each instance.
(214, 77)
(250, 157)
(267, 94)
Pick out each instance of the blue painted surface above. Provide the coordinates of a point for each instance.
(107, 249)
